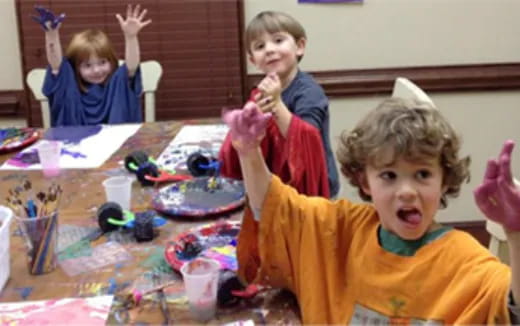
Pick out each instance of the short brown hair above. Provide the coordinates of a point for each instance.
(273, 22)
(86, 43)
(412, 130)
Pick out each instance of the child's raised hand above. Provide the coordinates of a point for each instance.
(271, 90)
(498, 197)
(47, 19)
(134, 20)
(247, 126)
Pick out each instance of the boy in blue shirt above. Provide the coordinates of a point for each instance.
(297, 146)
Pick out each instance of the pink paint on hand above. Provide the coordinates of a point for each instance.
(498, 197)
(247, 126)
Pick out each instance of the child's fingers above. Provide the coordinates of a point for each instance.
(491, 170)
(137, 8)
(120, 19)
(146, 23)
(143, 13)
(507, 149)
(504, 161)
(128, 11)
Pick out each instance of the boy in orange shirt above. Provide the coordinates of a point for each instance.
(386, 262)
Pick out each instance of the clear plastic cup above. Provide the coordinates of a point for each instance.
(49, 153)
(41, 240)
(119, 190)
(201, 283)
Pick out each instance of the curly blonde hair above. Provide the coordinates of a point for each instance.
(411, 129)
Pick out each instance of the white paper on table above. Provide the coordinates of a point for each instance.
(96, 149)
(206, 139)
(69, 311)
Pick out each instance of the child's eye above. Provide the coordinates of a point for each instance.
(388, 175)
(258, 46)
(103, 61)
(423, 174)
(279, 39)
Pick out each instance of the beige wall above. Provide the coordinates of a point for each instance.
(394, 33)
(10, 63)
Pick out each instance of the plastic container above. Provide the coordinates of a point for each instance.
(49, 153)
(201, 282)
(119, 190)
(6, 216)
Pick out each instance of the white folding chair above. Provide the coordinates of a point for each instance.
(35, 79)
(151, 72)
(404, 88)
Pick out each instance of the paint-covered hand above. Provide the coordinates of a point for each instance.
(498, 197)
(247, 126)
(270, 89)
(47, 19)
(134, 21)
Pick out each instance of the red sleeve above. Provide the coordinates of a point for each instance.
(301, 159)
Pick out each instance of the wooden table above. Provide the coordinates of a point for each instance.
(83, 194)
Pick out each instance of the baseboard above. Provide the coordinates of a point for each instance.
(12, 103)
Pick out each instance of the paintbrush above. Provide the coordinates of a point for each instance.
(164, 307)
(41, 259)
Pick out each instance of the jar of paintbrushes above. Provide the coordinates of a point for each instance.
(37, 218)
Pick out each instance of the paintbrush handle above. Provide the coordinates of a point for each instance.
(43, 249)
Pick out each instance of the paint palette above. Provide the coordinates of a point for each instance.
(12, 139)
(216, 240)
(200, 197)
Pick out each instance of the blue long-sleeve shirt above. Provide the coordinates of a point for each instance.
(116, 101)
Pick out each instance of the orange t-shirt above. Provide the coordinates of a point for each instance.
(328, 254)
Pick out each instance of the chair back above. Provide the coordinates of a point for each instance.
(151, 72)
(35, 79)
(405, 88)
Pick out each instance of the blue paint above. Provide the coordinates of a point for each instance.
(65, 151)
(24, 292)
(72, 135)
(112, 285)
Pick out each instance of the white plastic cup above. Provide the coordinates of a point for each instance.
(6, 215)
(201, 284)
(119, 190)
(49, 153)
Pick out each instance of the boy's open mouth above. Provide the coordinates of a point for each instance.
(410, 215)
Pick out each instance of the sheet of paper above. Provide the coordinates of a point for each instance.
(206, 139)
(70, 311)
(89, 152)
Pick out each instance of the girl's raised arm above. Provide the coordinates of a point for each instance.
(51, 24)
(131, 27)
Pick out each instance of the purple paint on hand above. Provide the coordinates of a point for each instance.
(498, 197)
(247, 126)
(45, 16)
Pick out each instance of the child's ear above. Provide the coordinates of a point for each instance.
(300, 46)
(251, 59)
(363, 183)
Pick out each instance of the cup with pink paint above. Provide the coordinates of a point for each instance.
(201, 282)
(49, 153)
